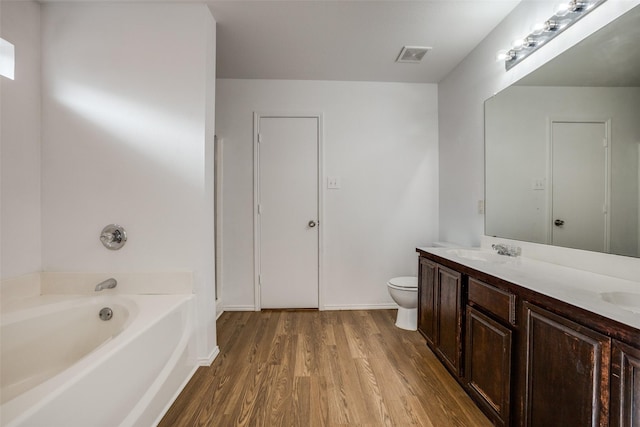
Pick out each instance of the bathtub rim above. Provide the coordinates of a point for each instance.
(49, 304)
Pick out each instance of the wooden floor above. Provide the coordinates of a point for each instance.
(328, 368)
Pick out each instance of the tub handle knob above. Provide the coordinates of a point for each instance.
(113, 236)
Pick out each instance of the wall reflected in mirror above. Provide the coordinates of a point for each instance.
(562, 148)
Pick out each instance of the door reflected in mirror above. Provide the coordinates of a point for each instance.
(562, 148)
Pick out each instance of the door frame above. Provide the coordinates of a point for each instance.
(607, 187)
(257, 115)
(219, 223)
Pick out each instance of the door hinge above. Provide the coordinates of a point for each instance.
(605, 142)
(605, 208)
(259, 279)
(259, 209)
(259, 138)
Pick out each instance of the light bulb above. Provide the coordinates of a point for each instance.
(562, 9)
(505, 55)
(517, 44)
(538, 28)
(501, 56)
(577, 5)
(551, 25)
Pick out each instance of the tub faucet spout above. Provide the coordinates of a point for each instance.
(107, 284)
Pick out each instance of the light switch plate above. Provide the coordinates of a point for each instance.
(537, 184)
(333, 182)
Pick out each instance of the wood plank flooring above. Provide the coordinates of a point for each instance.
(321, 368)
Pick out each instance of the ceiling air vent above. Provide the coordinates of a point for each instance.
(412, 54)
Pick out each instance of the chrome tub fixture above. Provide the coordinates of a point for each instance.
(113, 236)
(106, 284)
(105, 314)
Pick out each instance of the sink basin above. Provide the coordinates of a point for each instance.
(479, 255)
(626, 300)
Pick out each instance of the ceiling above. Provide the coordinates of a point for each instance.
(349, 40)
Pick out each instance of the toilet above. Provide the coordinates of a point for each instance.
(404, 291)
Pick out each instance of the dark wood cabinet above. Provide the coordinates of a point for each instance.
(427, 300)
(567, 370)
(440, 312)
(625, 385)
(449, 309)
(528, 359)
(488, 353)
(489, 349)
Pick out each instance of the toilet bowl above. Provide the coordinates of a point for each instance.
(404, 291)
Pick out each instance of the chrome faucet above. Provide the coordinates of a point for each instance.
(107, 284)
(508, 250)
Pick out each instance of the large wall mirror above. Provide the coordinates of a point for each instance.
(562, 147)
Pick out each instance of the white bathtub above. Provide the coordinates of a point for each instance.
(63, 366)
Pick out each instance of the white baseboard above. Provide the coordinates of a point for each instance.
(327, 307)
(384, 306)
(238, 308)
(207, 361)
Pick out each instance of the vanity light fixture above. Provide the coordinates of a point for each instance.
(566, 14)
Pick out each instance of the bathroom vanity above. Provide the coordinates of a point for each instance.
(533, 343)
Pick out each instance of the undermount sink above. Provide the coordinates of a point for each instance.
(626, 300)
(479, 255)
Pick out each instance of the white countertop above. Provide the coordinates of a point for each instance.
(576, 287)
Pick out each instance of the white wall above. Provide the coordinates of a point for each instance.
(461, 97)
(20, 139)
(381, 140)
(126, 128)
(518, 153)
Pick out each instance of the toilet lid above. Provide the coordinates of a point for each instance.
(404, 282)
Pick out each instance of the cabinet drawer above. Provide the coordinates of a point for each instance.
(501, 304)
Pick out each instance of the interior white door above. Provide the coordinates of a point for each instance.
(579, 185)
(288, 211)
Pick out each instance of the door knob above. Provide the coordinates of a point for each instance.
(558, 222)
(312, 223)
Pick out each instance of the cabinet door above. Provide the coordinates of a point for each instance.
(426, 299)
(449, 318)
(488, 364)
(567, 372)
(625, 386)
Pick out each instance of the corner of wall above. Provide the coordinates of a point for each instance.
(20, 118)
